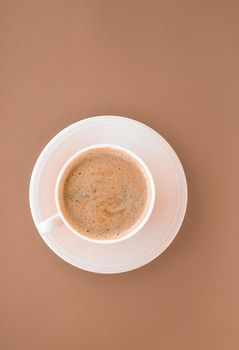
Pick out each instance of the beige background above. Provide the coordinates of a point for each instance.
(173, 65)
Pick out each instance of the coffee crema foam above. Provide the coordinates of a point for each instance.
(105, 193)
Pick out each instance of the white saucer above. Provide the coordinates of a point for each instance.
(171, 194)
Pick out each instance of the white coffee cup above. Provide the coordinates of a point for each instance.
(54, 221)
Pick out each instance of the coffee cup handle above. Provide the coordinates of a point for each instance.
(50, 224)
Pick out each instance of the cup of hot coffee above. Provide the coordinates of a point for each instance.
(103, 193)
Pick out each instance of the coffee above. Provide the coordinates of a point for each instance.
(105, 193)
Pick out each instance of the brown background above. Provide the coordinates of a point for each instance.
(173, 65)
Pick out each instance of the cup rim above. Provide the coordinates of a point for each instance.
(130, 233)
